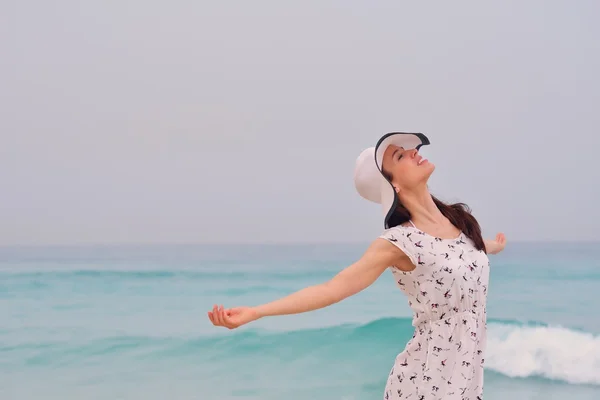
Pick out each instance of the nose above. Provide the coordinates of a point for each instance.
(414, 153)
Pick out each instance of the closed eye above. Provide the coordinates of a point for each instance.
(398, 151)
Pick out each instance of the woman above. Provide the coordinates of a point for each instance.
(439, 260)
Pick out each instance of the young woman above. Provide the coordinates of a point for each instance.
(439, 260)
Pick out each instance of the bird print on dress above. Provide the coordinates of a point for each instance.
(447, 293)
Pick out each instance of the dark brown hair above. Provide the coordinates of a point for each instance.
(459, 214)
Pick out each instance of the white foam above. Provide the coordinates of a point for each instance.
(551, 352)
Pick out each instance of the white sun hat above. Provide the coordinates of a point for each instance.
(369, 180)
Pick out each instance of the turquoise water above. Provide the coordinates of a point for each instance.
(129, 322)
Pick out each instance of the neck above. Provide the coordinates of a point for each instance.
(422, 208)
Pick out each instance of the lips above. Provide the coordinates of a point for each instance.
(421, 161)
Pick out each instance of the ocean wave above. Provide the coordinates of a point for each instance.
(515, 349)
(551, 352)
(227, 275)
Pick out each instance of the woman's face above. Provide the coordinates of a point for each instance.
(407, 168)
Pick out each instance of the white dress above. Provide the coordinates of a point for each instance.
(447, 292)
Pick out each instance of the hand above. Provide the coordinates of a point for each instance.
(498, 244)
(232, 318)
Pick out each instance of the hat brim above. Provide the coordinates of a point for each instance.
(406, 140)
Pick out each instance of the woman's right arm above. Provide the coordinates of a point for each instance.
(351, 280)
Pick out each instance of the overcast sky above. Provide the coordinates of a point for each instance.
(197, 121)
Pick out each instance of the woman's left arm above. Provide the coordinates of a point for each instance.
(495, 246)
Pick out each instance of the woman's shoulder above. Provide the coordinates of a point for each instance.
(400, 234)
(399, 230)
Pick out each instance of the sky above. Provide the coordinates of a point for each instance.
(204, 122)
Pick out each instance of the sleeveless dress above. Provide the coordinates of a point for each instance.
(447, 293)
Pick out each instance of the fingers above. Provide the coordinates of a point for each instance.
(223, 318)
(220, 317)
(501, 238)
(216, 316)
(214, 319)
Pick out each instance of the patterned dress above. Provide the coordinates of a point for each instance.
(447, 292)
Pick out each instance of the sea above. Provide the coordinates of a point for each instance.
(130, 322)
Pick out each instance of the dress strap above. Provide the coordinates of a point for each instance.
(414, 226)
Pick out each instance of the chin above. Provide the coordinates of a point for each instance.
(429, 169)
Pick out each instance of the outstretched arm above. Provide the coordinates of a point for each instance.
(358, 276)
(495, 246)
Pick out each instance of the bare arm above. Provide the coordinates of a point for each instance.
(354, 278)
(358, 276)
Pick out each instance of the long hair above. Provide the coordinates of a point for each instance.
(459, 214)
